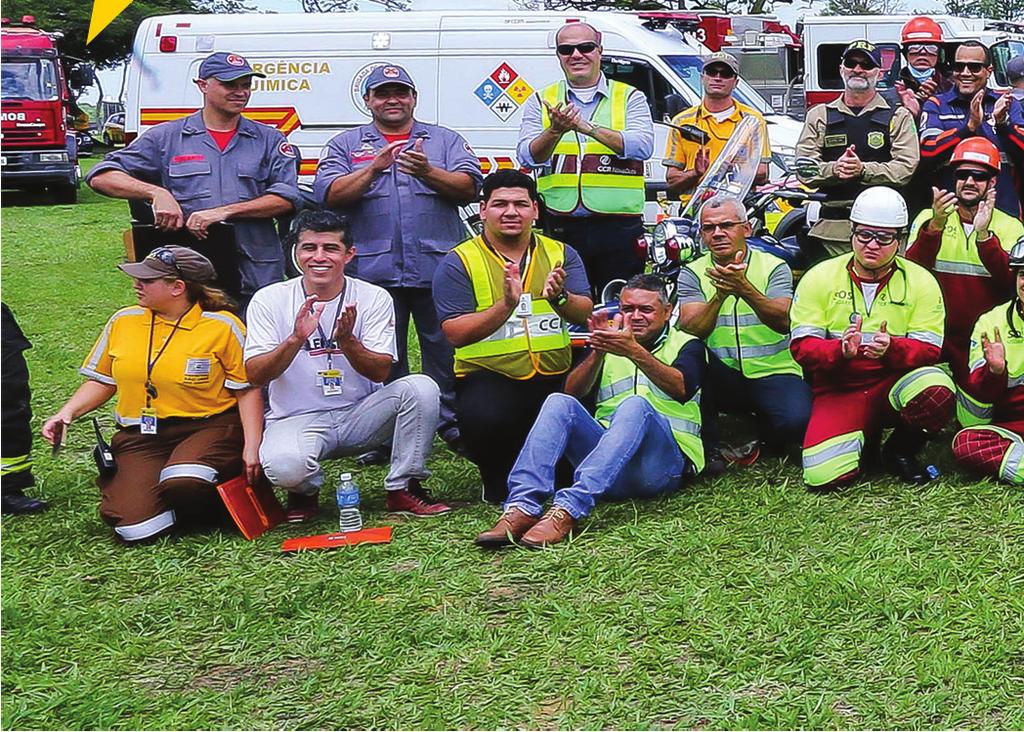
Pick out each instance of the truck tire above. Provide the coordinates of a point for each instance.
(64, 194)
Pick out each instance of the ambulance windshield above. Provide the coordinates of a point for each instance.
(688, 69)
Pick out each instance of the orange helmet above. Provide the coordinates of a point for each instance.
(921, 29)
(976, 150)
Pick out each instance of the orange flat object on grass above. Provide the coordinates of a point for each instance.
(255, 509)
(377, 535)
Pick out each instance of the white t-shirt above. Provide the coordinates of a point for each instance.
(270, 319)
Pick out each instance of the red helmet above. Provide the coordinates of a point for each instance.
(976, 150)
(921, 29)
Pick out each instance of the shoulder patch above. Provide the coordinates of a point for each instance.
(286, 149)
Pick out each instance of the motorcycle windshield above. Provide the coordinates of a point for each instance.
(732, 173)
(34, 81)
(688, 68)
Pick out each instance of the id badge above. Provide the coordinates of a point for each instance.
(330, 381)
(525, 307)
(147, 421)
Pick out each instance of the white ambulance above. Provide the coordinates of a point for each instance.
(473, 71)
(825, 37)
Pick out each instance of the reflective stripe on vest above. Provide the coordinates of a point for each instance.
(958, 252)
(1007, 320)
(832, 459)
(621, 379)
(970, 412)
(522, 346)
(739, 338)
(587, 171)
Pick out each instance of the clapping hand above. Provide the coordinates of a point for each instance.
(852, 338)
(878, 345)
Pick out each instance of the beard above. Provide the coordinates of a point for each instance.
(857, 84)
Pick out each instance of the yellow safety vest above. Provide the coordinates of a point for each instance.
(826, 298)
(587, 172)
(958, 252)
(970, 411)
(523, 346)
(740, 339)
(621, 378)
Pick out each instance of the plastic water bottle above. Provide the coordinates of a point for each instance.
(347, 495)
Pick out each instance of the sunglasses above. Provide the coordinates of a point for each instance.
(884, 238)
(975, 67)
(725, 226)
(166, 256)
(923, 48)
(722, 72)
(567, 49)
(866, 64)
(979, 176)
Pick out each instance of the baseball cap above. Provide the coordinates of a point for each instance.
(224, 66)
(387, 74)
(1015, 69)
(867, 48)
(172, 261)
(721, 57)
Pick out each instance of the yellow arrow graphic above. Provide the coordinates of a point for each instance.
(103, 13)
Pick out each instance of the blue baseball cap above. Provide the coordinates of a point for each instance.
(224, 66)
(866, 48)
(387, 74)
(1015, 69)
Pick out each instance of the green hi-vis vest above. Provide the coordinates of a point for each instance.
(958, 252)
(969, 411)
(589, 172)
(621, 378)
(740, 339)
(523, 346)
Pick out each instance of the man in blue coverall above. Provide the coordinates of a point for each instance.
(213, 166)
(401, 182)
(971, 109)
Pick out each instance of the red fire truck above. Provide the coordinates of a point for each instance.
(37, 147)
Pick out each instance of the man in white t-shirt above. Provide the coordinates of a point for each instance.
(324, 343)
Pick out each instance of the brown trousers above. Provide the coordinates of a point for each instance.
(172, 473)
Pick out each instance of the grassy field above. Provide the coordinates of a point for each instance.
(739, 602)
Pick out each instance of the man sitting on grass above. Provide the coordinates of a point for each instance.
(643, 439)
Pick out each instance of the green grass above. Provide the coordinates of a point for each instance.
(742, 602)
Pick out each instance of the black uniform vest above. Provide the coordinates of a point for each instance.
(870, 134)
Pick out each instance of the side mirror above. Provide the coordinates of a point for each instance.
(81, 76)
(674, 104)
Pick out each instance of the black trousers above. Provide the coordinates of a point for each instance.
(436, 353)
(495, 416)
(15, 409)
(604, 243)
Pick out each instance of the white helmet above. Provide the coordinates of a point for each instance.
(880, 206)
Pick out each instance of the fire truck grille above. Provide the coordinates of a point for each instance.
(22, 135)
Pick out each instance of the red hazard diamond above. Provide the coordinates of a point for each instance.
(504, 75)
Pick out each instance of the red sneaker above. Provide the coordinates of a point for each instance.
(414, 500)
(301, 507)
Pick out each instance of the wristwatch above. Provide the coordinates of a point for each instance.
(560, 299)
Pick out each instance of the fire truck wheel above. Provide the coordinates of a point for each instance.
(64, 194)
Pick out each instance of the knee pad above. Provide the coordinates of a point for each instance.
(930, 410)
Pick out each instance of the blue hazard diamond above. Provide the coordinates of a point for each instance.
(488, 92)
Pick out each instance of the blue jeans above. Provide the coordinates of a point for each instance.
(636, 457)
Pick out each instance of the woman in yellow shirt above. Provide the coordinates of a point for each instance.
(187, 416)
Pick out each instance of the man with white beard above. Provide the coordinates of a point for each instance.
(856, 141)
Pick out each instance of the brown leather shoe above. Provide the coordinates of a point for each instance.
(512, 525)
(556, 526)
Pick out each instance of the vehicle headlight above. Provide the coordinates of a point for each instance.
(54, 157)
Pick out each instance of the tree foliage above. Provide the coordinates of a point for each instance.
(344, 6)
(114, 44)
(996, 9)
(728, 6)
(863, 7)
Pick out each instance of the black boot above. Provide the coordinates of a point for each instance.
(899, 456)
(16, 502)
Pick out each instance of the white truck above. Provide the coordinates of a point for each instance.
(473, 71)
(825, 37)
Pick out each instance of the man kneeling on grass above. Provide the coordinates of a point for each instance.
(643, 439)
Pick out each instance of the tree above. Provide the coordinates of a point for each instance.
(727, 6)
(863, 7)
(114, 45)
(344, 6)
(995, 9)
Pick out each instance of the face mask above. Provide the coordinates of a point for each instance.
(921, 75)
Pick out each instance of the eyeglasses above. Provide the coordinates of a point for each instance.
(979, 176)
(975, 67)
(866, 64)
(725, 226)
(923, 48)
(166, 256)
(884, 238)
(722, 72)
(567, 49)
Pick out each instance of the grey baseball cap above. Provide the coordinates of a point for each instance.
(388, 74)
(224, 66)
(172, 261)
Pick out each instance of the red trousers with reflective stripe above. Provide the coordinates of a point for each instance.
(867, 409)
(136, 492)
(982, 450)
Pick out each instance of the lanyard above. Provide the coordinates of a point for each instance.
(150, 388)
(328, 345)
(526, 259)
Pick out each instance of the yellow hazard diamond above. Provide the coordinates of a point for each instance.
(519, 90)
